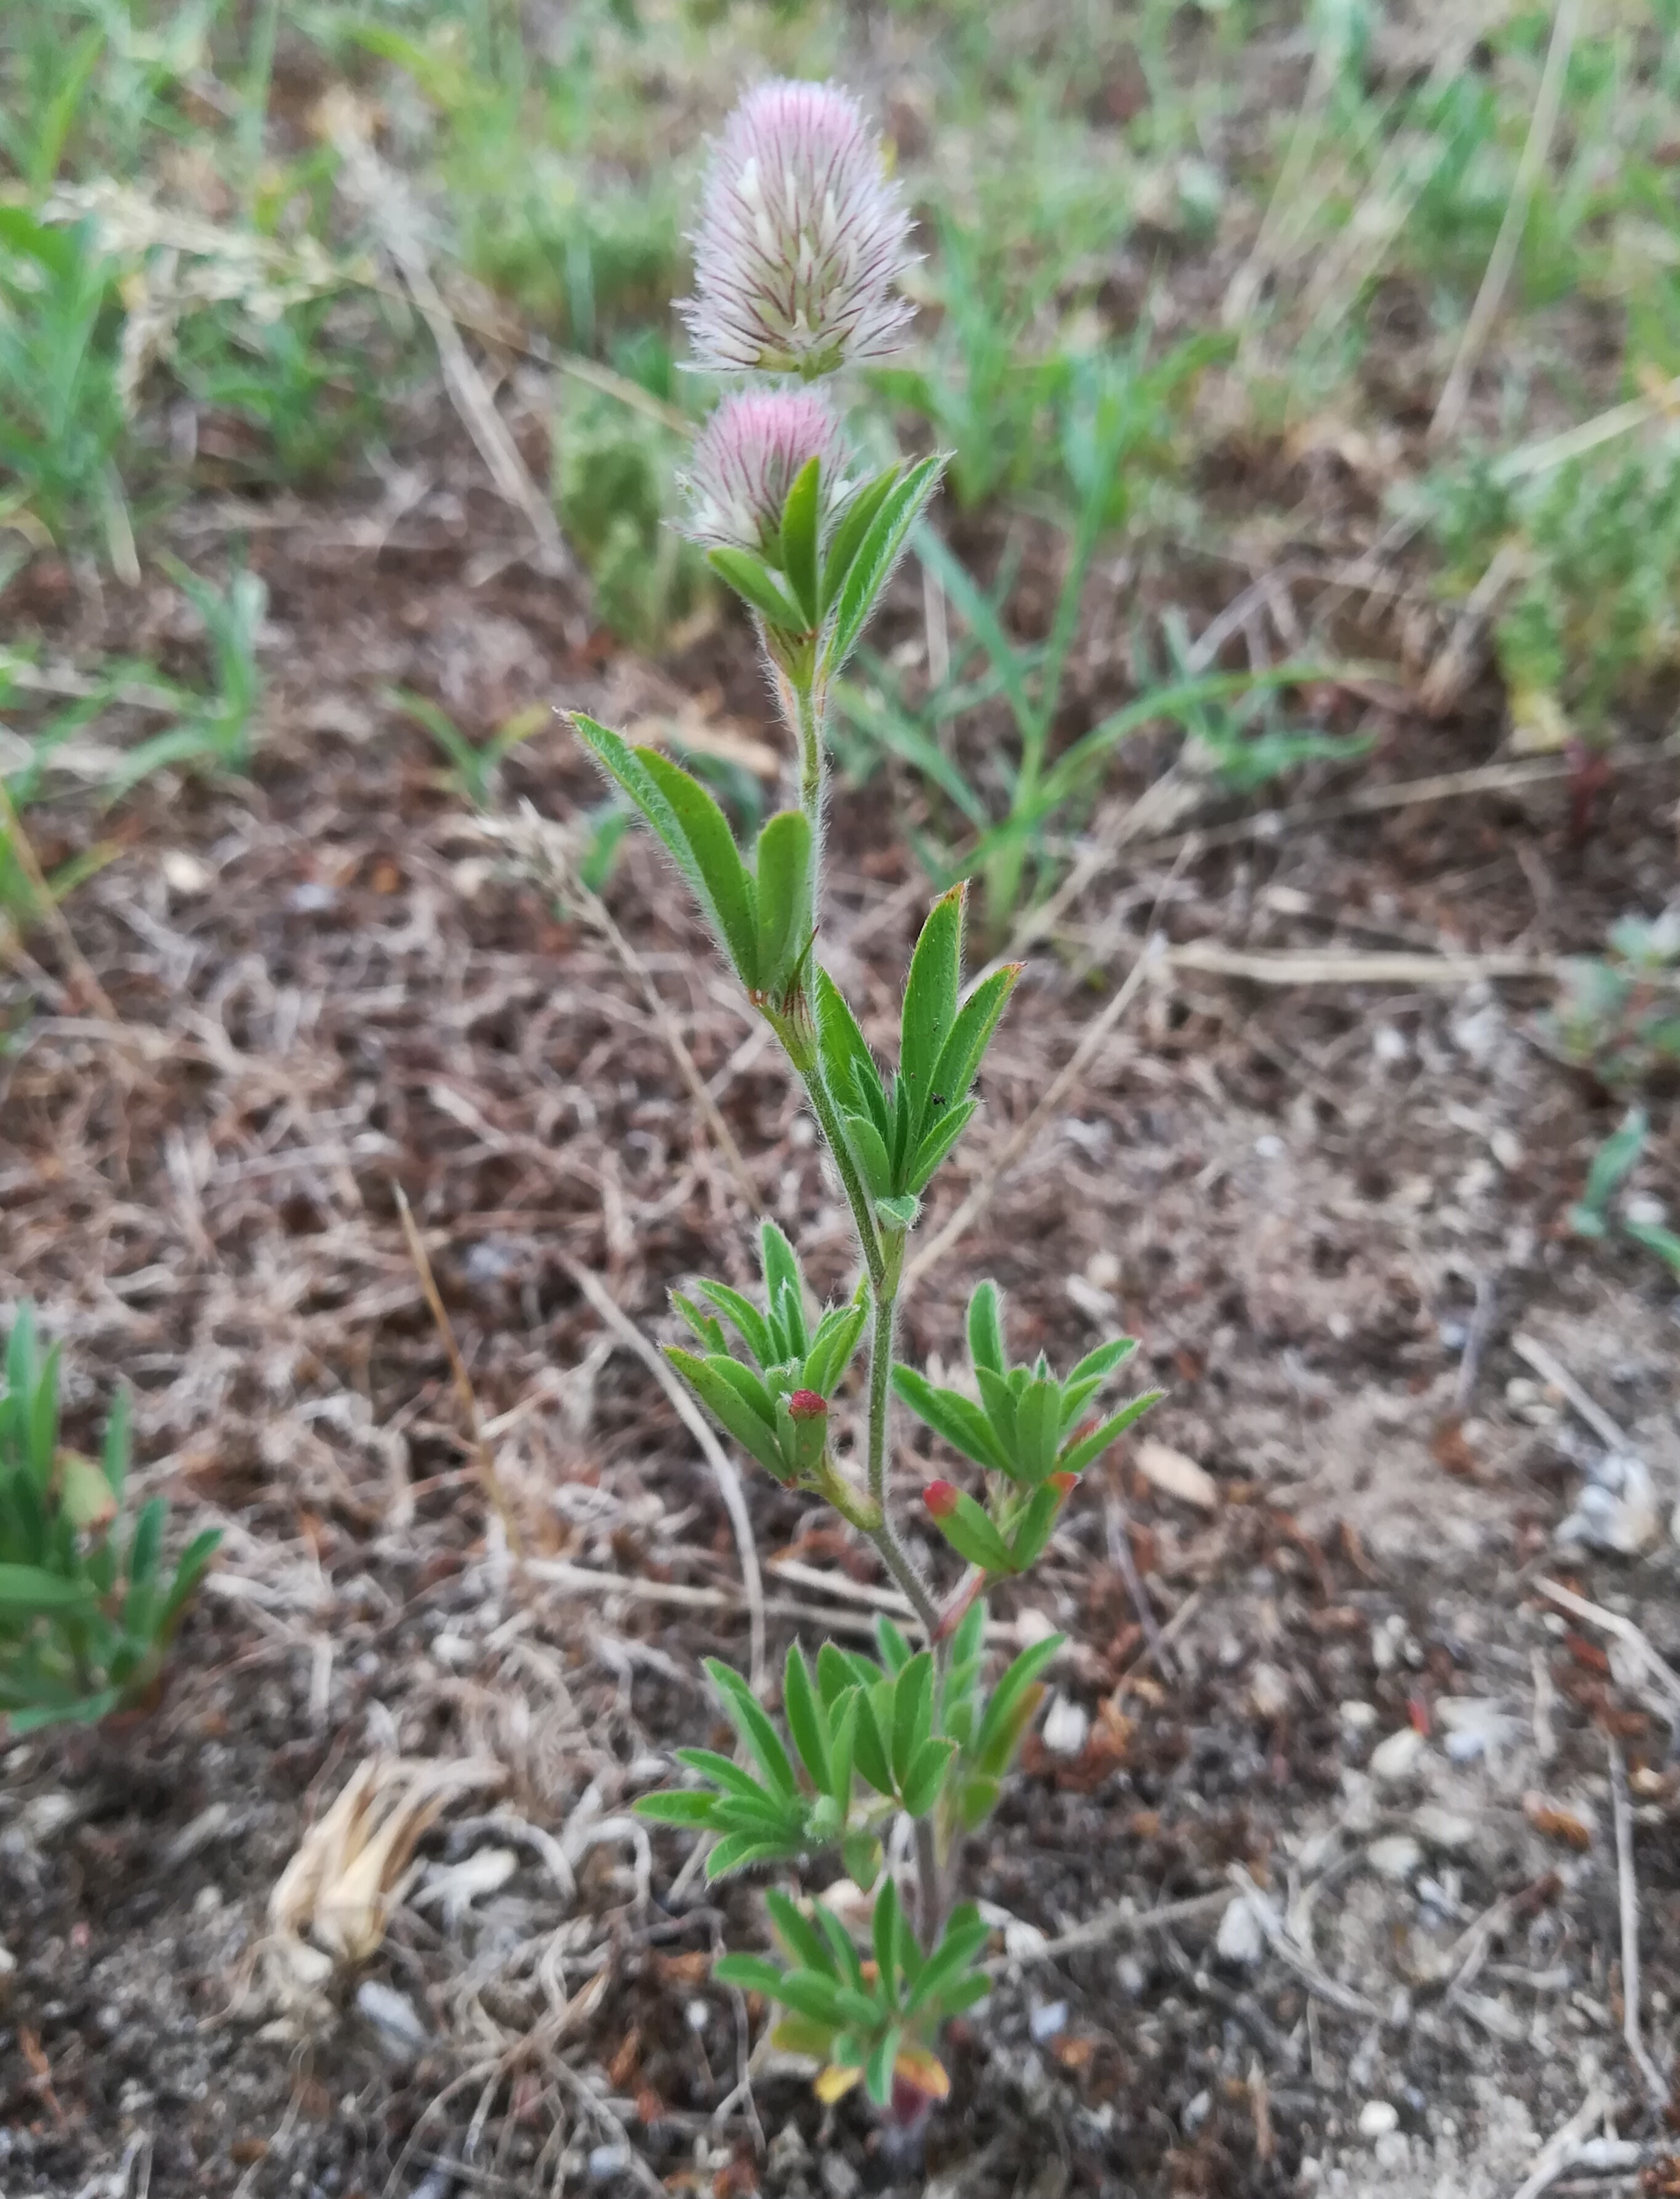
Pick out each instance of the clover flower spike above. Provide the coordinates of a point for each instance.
(749, 454)
(801, 237)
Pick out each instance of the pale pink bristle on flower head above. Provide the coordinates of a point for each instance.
(752, 450)
(802, 238)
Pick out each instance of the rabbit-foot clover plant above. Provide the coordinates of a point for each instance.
(802, 239)
(86, 1610)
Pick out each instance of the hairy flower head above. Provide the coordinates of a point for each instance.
(752, 450)
(801, 237)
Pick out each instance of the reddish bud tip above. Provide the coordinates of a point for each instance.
(807, 1405)
(1067, 1483)
(940, 1498)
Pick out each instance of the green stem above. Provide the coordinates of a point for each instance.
(809, 707)
(931, 1902)
(896, 1559)
(863, 1219)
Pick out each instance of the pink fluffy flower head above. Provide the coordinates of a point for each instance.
(753, 449)
(801, 237)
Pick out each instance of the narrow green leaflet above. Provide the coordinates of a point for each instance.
(783, 892)
(711, 1385)
(752, 579)
(930, 1004)
(807, 1720)
(719, 860)
(799, 541)
(713, 869)
(855, 524)
(872, 562)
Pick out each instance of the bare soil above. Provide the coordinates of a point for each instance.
(1311, 1202)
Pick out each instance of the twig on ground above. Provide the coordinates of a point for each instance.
(1091, 1041)
(543, 846)
(1557, 2152)
(1372, 800)
(723, 1467)
(1118, 1536)
(1330, 966)
(687, 1068)
(1125, 1921)
(1318, 1982)
(384, 199)
(560, 1572)
(1547, 103)
(482, 1460)
(1475, 1342)
(1552, 1369)
(1628, 1893)
(1646, 1664)
(591, 2105)
(1167, 1635)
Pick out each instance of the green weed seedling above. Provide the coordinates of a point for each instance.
(1619, 1015)
(60, 415)
(1589, 617)
(1109, 412)
(1597, 1214)
(800, 242)
(87, 1609)
(474, 766)
(215, 729)
(20, 893)
(616, 472)
(308, 396)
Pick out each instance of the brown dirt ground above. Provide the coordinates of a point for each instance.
(336, 983)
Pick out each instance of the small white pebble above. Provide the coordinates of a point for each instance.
(1358, 1717)
(1377, 2118)
(1269, 1148)
(1240, 1939)
(1269, 1691)
(1065, 1726)
(1397, 1758)
(1047, 2020)
(1396, 1857)
(1444, 1829)
(697, 2015)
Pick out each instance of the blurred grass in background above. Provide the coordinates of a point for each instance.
(1261, 230)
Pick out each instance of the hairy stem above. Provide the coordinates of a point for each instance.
(863, 1220)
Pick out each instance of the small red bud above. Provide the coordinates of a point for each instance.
(940, 1498)
(807, 1405)
(1067, 1483)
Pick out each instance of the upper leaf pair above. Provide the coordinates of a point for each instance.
(900, 1128)
(777, 1407)
(762, 917)
(1025, 1428)
(815, 597)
